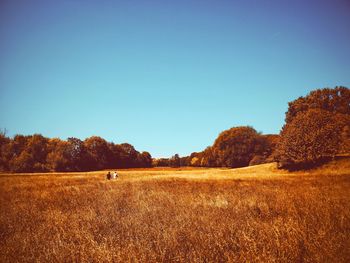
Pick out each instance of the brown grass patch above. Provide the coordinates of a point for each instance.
(256, 214)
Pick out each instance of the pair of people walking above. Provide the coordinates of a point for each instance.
(111, 176)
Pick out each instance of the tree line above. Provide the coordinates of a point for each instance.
(317, 128)
(36, 153)
(236, 147)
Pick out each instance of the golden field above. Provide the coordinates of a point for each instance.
(254, 214)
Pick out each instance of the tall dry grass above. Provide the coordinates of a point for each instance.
(160, 216)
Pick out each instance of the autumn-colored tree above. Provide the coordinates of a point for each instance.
(174, 161)
(28, 153)
(35, 153)
(335, 100)
(266, 151)
(345, 137)
(18, 159)
(208, 158)
(237, 146)
(4, 151)
(79, 158)
(116, 155)
(312, 136)
(317, 128)
(18, 144)
(195, 161)
(22, 163)
(160, 162)
(37, 147)
(145, 159)
(98, 151)
(258, 159)
(58, 158)
(128, 155)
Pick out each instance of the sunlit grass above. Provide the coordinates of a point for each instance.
(256, 214)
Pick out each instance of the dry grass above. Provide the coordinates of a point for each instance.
(256, 214)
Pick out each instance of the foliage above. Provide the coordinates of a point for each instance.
(317, 128)
(335, 100)
(233, 148)
(58, 157)
(78, 155)
(145, 159)
(36, 153)
(174, 161)
(28, 153)
(257, 159)
(160, 162)
(99, 152)
(311, 137)
(4, 144)
(237, 146)
(195, 161)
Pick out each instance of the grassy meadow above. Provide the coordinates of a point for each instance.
(254, 214)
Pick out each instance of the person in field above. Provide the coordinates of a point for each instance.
(115, 175)
(108, 176)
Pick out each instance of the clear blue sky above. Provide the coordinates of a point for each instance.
(166, 76)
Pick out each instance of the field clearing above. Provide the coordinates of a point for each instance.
(254, 214)
(264, 171)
